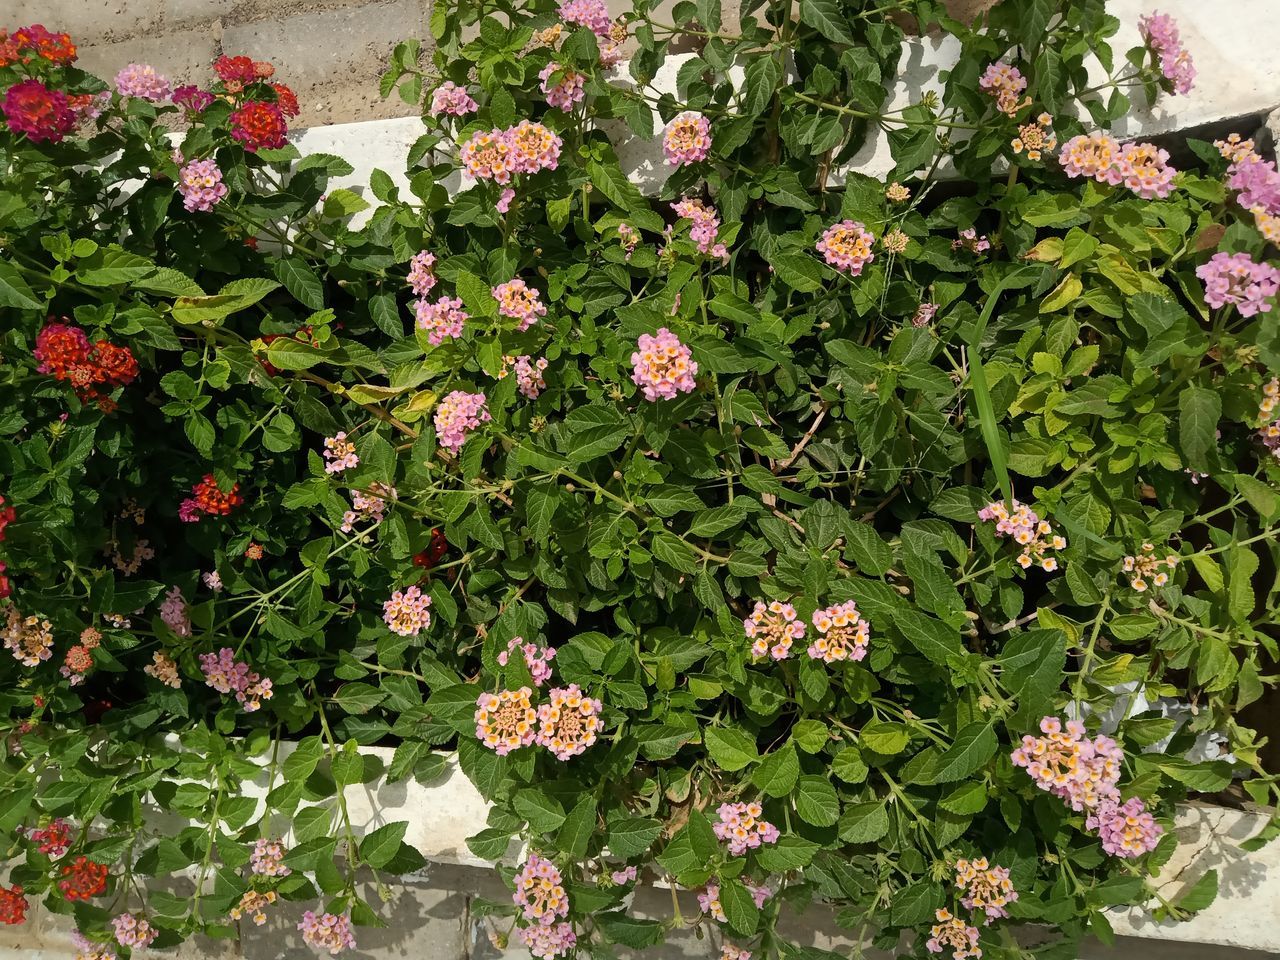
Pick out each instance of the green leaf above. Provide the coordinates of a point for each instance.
(14, 291)
(1199, 411)
(543, 813)
(631, 836)
(778, 771)
(1200, 894)
(762, 76)
(358, 697)
(301, 281)
(730, 748)
(816, 801)
(864, 822)
(825, 17)
(379, 847)
(578, 828)
(973, 747)
(739, 906)
(937, 641)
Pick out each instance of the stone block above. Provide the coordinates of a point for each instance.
(86, 20)
(186, 13)
(347, 45)
(183, 56)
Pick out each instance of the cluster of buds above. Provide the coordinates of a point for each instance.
(1144, 569)
(1035, 536)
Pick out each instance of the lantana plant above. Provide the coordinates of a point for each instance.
(797, 538)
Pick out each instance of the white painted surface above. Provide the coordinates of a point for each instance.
(1233, 43)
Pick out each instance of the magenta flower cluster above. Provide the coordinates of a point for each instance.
(201, 186)
(742, 828)
(519, 301)
(529, 380)
(452, 100)
(592, 14)
(565, 93)
(662, 366)
(133, 930)
(176, 613)
(327, 933)
(407, 612)
(457, 416)
(141, 80)
(537, 659)
(192, 98)
(422, 275)
(1142, 167)
(1236, 279)
(226, 675)
(847, 246)
(1085, 774)
(1256, 182)
(1160, 34)
(704, 226)
(442, 320)
(687, 139)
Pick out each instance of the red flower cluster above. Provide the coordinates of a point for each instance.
(26, 43)
(207, 500)
(13, 906)
(234, 70)
(42, 114)
(436, 549)
(65, 353)
(7, 516)
(54, 839)
(286, 99)
(258, 126)
(83, 879)
(6, 588)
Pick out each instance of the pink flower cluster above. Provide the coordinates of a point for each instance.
(537, 659)
(226, 675)
(548, 942)
(1126, 829)
(924, 314)
(1006, 84)
(952, 932)
(540, 891)
(1080, 771)
(971, 241)
(201, 186)
(141, 80)
(1269, 427)
(1144, 568)
(452, 100)
(687, 139)
(771, 628)
(742, 829)
(729, 951)
(847, 246)
(407, 612)
(87, 949)
(709, 899)
(422, 275)
(1235, 278)
(498, 155)
(442, 320)
(662, 366)
(367, 506)
(175, 612)
(457, 416)
(519, 301)
(984, 887)
(566, 92)
(569, 722)
(1256, 182)
(592, 14)
(133, 930)
(505, 720)
(267, 859)
(1035, 536)
(624, 876)
(339, 453)
(1142, 167)
(529, 380)
(1160, 34)
(842, 634)
(327, 933)
(704, 226)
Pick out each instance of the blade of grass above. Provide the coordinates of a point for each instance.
(982, 392)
